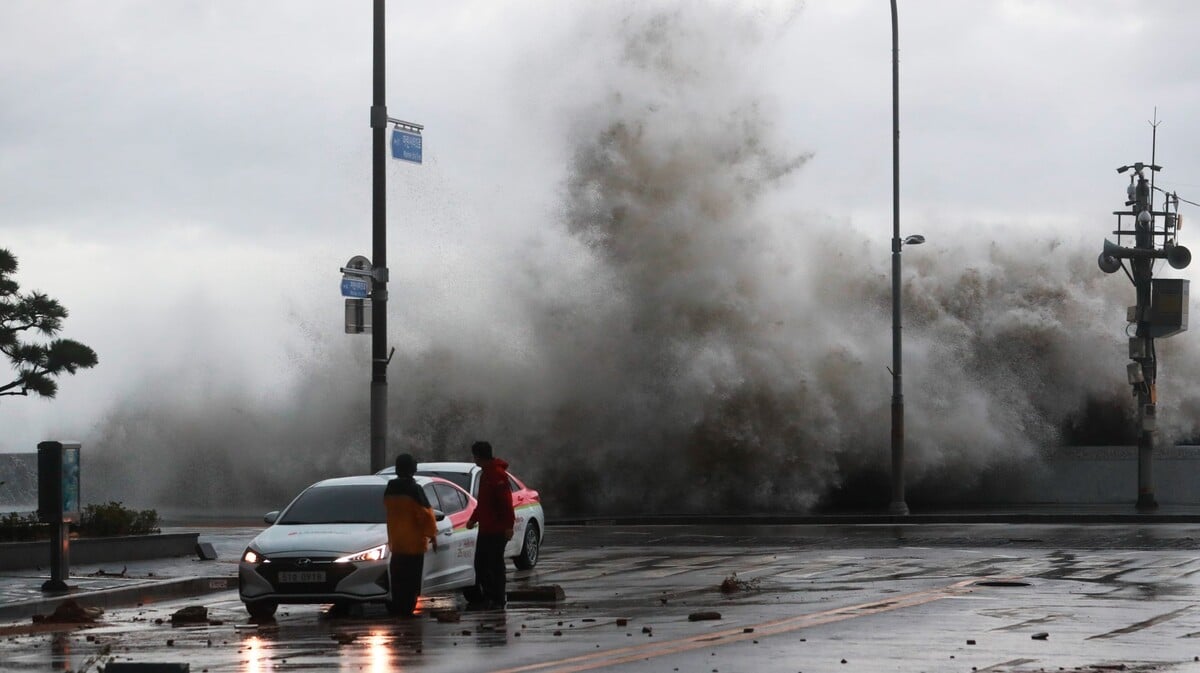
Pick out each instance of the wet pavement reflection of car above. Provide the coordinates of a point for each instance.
(330, 546)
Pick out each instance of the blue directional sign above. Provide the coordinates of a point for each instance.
(406, 145)
(356, 287)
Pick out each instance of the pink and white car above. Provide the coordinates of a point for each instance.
(530, 527)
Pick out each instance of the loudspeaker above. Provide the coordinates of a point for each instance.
(1178, 256)
(1108, 263)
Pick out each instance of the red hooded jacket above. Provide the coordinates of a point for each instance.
(494, 512)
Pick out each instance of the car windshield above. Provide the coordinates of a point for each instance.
(462, 479)
(360, 503)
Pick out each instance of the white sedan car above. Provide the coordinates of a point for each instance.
(530, 527)
(330, 546)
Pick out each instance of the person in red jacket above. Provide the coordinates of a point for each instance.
(495, 517)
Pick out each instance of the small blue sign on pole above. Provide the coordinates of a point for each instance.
(356, 287)
(406, 145)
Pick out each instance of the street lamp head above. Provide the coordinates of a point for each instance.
(915, 239)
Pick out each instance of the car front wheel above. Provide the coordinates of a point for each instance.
(261, 609)
(528, 557)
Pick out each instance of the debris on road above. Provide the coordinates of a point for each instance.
(447, 616)
(192, 614)
(70, 612)
(703, 615)
(344, 638)
(104, 573)
(732, 585)
(549, 592)
(1040, 635)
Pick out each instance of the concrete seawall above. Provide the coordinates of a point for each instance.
(1093, 475)
(19, 555)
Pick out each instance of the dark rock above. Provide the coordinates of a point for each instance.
(1041, 635)
(192, 614)
(703, 615)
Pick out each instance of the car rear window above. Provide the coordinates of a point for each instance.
(460, 479)
(360, 503)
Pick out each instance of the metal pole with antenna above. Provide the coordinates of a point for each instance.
(1143, 273)
(1153, 152)
(1161, 309)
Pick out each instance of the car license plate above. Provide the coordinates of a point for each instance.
(301, 577)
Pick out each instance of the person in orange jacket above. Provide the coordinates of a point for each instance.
(495, 517)
(410, 527)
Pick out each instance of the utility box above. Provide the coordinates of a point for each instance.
(1168, 307)
(1137, 348)
(58, 505)
(58, 482)
(358, 316)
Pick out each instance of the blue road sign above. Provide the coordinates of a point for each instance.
(355, 287)
(406, 145)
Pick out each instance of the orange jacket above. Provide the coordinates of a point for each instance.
(410, 522)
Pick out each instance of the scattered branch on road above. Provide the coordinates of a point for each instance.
(732, 585)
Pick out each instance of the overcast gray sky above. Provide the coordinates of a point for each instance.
(187, 177)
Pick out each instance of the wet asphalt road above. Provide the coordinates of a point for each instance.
(805, 598)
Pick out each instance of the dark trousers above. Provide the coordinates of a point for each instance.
(406, 571)
(489, 566)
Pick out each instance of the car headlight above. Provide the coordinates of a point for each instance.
(251, 556)
(372, 554)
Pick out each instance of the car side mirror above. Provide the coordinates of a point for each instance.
(271, 517)
(438, 515)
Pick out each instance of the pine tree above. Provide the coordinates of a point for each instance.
(37, 364)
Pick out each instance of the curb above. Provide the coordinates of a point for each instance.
(142, 593)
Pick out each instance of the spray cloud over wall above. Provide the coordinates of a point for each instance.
(682, 342)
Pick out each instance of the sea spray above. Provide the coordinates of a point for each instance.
(680, 340)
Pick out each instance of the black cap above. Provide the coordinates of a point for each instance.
(482, 450)
(406, 465)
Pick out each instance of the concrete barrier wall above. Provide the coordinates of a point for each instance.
(1096, 475)
(18, 555)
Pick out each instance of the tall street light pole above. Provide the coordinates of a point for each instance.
(898, 505)
(379, 360)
